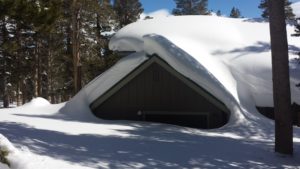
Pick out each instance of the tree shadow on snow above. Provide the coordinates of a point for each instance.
(151, 145)
(148, 147)
(256, 20)
(262, 20)
(258, 47)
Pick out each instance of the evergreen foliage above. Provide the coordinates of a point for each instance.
(265, 9)
(235, 13)
(127, 11)
(297, 28)
(219, 13)
(191, 7)
(42, 43)
(3, 157)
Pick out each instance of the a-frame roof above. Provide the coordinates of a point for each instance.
(156, 59)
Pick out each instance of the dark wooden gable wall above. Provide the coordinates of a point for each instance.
(157, 90)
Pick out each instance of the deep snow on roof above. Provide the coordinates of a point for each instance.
(228, 57)
(231, 49)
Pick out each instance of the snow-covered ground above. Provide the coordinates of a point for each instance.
(47, 140)
(11, 105)
(228, 57)
(296, 8)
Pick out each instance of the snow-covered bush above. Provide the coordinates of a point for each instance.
(3, 156)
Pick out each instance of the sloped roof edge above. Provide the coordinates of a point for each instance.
(157, 59)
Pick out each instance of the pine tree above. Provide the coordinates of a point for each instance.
(37, 45)
(202, 8)
(5, 59)
(9, 49)
(4, 56)
(235, 13)
(127, 11)
(95, 53)
(297, 28)
(219, 13)
(287, 6)
(46, 15)
(28, 46)
(191, 7)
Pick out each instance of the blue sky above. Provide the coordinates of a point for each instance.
(248, 8)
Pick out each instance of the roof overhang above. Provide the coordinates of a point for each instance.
(158, 60)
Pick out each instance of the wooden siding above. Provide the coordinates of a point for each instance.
(156, 89)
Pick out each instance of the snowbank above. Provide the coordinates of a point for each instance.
(241, 46)
(156, 14)
(296, 8)
(15, 158)
(37, 102)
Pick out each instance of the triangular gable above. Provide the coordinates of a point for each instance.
(156, 59)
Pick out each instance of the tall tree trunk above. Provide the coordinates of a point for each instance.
(18, 65)
(100, 40)
(36, 71)
(4, 72)
(38, 68)
(45, 75)
(76, 9)
(281, 81)
(5, 89)
(23, 90)
(18, 98)
(50, 72)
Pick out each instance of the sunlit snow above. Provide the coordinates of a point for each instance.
(228, 57)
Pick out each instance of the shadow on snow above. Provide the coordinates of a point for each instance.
(147, 147)
(258, 47)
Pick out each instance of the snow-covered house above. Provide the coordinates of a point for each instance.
(198, 70)
(156, 91)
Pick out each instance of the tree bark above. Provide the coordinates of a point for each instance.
(36, 70)
(18, 65)
(76, 45)
(4, 72)
(50, 73)
(5, 90)
(18, 98)
(39, 69)
(281, 81)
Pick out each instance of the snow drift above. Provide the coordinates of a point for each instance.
(236, 54)
(15, 157)
(230, 58)
(156, 14)
(296, 8)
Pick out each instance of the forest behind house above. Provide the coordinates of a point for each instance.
(51, 49)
